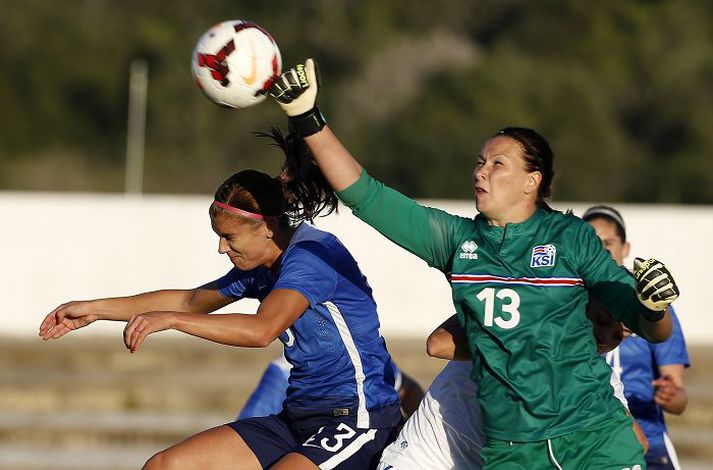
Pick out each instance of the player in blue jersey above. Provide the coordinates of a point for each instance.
(341, 408)
(271, 391)
(652, 373)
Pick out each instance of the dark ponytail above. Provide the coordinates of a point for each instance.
(300, 192)
(538, 156)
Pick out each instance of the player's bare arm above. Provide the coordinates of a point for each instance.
(296, 92)
(670, 392)
(78, 314)
(410, 394)
(277, 312)
(449, 341)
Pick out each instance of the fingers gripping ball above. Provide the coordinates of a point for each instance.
(655, 285)
(296, 93)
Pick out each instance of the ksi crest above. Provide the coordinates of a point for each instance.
(543, 256)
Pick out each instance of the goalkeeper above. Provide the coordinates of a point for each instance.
(521, 275)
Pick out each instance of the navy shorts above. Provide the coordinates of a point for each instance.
(333, 443)
(660, 462)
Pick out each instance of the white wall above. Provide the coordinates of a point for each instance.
(60, 247)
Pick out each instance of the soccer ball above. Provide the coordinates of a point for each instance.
(235, 63)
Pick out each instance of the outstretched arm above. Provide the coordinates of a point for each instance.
(78, 314)
(296, 92)
(276, 312)
(338, 165)
(428, 233)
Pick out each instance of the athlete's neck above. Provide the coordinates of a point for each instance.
(514, 216)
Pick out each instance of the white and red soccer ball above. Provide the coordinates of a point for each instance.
(235, 63)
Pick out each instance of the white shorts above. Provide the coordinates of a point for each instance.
(445, 432)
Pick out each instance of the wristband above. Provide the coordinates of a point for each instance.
(308, 123)
(653, 315)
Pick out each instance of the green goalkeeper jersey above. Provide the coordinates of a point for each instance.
(521, 293)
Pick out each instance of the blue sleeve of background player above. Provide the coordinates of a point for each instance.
(673, 350)
(270, 393)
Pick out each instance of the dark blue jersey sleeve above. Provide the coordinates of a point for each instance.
(253, 284)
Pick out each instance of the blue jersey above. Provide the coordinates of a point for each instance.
(637, 362)
(340, 365)
(271, 391)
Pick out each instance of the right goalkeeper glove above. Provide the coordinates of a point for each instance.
(655, 287)
(296, 93)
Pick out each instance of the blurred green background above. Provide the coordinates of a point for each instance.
(623, 90)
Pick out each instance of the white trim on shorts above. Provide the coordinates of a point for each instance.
(552, 455)
(348, 340)
(671, 451)
(349, 450)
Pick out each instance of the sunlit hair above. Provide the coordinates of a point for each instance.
(538, 156)
(300, 192)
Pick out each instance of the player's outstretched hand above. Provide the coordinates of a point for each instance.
(296, 93)
(296, 89)
(65, 318)
(655, 286)
(142, 325)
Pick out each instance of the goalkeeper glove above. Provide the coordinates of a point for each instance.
(655, 287)
(296, 93)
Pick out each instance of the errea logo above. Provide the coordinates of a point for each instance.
(468, 250)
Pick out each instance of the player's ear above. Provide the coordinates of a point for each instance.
(532, 182)
(270, 227)
(625, 250)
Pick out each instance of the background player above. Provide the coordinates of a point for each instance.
(341, 407)
(652, 373)
(271, 391)
(521, 298)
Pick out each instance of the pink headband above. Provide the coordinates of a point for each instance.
(235, 210)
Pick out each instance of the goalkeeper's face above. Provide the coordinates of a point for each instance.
(504, 190)
(607, 232)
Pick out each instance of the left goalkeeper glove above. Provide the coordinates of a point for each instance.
(655, 287)
(296, 93)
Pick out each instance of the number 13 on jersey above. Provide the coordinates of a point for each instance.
(508, 315)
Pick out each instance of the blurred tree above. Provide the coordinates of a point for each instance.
(623, 90)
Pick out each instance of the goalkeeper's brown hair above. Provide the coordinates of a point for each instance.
(538, 156)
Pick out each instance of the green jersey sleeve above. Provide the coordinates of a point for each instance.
(612, 284)
(428, 233)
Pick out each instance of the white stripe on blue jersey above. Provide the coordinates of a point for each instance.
(362, 414)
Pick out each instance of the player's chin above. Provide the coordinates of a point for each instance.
(243, 265)
(238, 262)
(482, 204)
